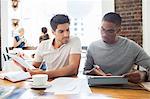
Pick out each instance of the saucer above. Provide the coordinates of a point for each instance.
(41, 86)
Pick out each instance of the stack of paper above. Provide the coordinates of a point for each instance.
(146, 85)
(68, 85)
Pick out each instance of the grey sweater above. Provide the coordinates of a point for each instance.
(117, 58)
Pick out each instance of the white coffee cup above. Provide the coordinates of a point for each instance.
(40, 79)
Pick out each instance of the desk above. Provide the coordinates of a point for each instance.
(123, 93)
(108, 92)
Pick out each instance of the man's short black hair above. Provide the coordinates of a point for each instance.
(112, 17)
(44, 30)
(59, 19)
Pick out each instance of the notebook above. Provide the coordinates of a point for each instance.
(106, 80)
(15, 76)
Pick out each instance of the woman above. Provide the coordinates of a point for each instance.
(19, 40)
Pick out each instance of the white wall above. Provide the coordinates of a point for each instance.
(107, 6)
(25, 14)
(4, 25)
(146, 25)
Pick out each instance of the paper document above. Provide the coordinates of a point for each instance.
(146, 85)
(21, 61)
(68, 85)
(6, 91)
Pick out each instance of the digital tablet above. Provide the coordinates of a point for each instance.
(106, 80)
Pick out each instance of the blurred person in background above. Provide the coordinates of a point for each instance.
(19, 40)
(44, 34)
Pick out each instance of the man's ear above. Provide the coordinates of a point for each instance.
(119, 30)
(53, 32)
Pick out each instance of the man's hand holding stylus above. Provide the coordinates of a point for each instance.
(97, 71)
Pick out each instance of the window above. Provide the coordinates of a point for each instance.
(85, 18)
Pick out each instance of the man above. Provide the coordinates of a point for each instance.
(61, 54)
(116, 55)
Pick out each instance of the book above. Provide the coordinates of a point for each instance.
(106, 80)
(15, 76)
(5, 91)
(22, 63)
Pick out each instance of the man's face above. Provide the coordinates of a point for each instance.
(108, 32)
(62, 33)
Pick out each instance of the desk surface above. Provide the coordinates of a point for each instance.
(97, 92)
